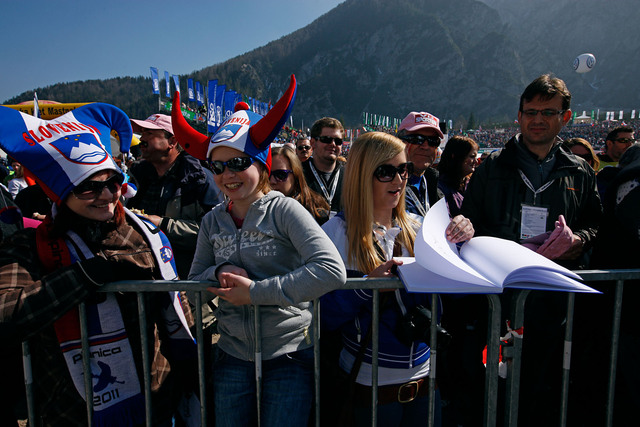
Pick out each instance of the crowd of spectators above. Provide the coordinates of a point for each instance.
(595, 133)
(212, 199)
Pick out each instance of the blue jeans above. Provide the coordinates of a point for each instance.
(287, 390)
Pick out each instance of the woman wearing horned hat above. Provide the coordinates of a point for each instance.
(271, 258)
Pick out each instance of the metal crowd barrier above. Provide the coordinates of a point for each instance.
(377, 284)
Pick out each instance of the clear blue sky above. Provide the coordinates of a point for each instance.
(47, 42)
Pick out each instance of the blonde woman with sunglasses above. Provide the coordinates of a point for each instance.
(373, 229)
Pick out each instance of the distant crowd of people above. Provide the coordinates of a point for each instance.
(595, 133)
(277, 223)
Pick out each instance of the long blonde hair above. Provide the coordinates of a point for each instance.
(367, 153)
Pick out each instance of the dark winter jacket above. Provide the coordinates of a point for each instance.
(496, 192)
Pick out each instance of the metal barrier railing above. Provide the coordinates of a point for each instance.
(377, 284)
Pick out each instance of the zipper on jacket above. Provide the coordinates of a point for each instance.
(403, 310)
(411, 356)
(250, 309)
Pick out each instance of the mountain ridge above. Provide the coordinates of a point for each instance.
(451, 58)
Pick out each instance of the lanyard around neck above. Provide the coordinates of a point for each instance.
(530, 186)
(334, 183)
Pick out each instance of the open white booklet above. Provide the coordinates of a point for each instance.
(483, 265)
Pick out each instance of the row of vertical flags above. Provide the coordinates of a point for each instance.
(609, 115)
(196, 95)
(219, 101)
(156, 82)
(370, 119)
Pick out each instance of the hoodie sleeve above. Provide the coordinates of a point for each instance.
(204, 265)
(322, 269)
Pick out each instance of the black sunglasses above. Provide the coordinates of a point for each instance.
(329, 140)
(280, 175)
(89, 190)
(237, 164)
(387, 173)
(303, 147)
(417, 139)
(587, 156)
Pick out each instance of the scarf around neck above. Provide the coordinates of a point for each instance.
(117, 397)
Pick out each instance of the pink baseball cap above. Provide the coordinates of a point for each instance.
(155, 121)
(421, 120)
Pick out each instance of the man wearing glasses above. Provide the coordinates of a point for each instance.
(618, 140)
(323, 171)
(536, 188)
(421, 133)
(303, 148)
(520, 191)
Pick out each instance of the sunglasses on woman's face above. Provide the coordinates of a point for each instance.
(89, 190)
(586, 156)
(237, 164)
(280, 175)
(387, 173)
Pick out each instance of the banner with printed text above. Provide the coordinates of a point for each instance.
(167, 83)
(211, 106)
(155, 81)
(219, 104)
(176, 81)
(199, 94)
(190, 91)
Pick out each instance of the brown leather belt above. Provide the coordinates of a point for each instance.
(402, 393)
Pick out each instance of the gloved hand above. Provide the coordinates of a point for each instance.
(558, 242)
(100, 271)
(535, 242)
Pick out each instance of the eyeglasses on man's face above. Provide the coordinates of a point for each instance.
(628, 141)
(303, 147)
(547, 113)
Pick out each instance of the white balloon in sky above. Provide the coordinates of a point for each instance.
(584, 63)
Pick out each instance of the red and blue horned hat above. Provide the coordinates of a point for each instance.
(65, 151)
(244, 130)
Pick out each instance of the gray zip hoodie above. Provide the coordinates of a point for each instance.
(290, 260)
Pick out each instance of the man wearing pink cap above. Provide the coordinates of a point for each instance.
(174, 190)
(421, 133)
